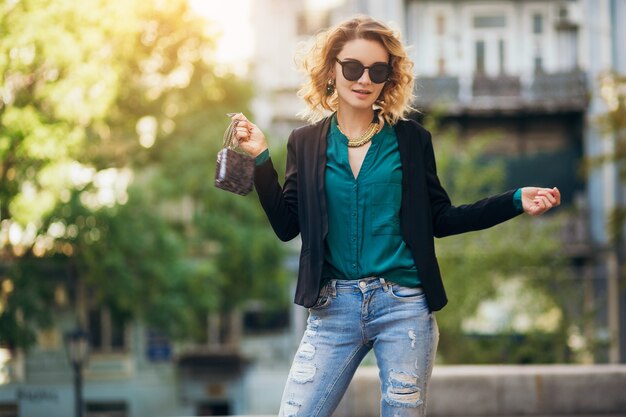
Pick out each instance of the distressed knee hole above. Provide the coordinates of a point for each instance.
(302, 372)
(313, 325)
(290, 409)
(314, 322)
(413, 338)
(306, 351)
(402, 390)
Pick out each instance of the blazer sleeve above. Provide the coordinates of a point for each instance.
(280, 203)
(450, 220)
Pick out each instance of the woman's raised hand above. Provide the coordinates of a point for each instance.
(537, 201)
(248, 136)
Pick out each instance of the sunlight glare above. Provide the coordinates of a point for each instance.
(317, 5)
(5, 358)
(233, 21)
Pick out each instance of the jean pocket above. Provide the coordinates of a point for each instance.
(406, 293)
(324, 299)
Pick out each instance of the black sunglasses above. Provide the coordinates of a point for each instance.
(353, 70)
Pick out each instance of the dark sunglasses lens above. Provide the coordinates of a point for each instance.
(379, 73)
(352, 71)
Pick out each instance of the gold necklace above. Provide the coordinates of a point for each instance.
(365, 137)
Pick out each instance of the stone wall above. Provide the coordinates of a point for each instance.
(551, 390)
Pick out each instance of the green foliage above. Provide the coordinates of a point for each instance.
(27, 299)
(516, 348)
(57, 79)
(475, 265)
(613, 125)
(111, 117)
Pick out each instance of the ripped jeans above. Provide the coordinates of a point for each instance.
(350, 318)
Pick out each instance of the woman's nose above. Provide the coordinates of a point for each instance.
(365, 77)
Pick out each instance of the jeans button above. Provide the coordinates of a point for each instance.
(362, 284)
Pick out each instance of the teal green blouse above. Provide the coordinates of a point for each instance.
(364, 237)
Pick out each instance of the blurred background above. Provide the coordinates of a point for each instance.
(131, 287)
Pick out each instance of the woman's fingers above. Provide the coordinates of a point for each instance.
(545, 201)
(243, 128)
(247, 136)
(541, 199)
(539, 203)
(547, 193)
(241, 134)
(236, 116)
(557, 195)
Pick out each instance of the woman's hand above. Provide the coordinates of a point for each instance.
(249, 137)
(536, 201)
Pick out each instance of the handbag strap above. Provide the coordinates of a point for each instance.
(229, 134)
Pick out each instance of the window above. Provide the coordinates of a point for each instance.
(213, 408)
(538, 64)
(487, 22)
(8, 410)
(441, 65)
(480, 57)
(567, 49)
(261, 320)
(106, 332)
(501, 55)
(537, 24)
(441, 25)
(106, 409)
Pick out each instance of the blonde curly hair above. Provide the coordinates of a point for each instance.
(318, 61)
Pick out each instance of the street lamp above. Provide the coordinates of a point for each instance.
(77, 345)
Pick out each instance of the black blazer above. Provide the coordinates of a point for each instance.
(426, 211)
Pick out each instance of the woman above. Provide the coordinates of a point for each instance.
(361, 188)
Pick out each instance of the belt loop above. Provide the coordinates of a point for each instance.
(384, 284)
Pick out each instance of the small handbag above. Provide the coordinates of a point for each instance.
(234, 171)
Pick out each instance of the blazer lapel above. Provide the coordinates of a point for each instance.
(321, 144)
(405, 147)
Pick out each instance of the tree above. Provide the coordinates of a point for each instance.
(612, 125)
(522, 255)
(112, 114)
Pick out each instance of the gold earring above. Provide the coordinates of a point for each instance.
(330, 87)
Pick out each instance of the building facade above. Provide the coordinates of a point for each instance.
(530, 69)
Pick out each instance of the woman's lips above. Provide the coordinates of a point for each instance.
(362, 93)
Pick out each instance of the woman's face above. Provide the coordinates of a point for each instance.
(361, 93)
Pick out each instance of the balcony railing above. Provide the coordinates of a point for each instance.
(546, 92)
(501, 86)
(442, 89)
(568, 87)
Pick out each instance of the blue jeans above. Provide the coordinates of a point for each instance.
(350, 318)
